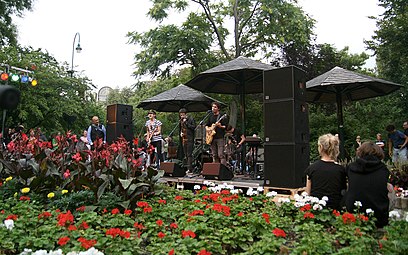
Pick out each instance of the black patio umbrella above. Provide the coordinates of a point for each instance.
(237, 77)
(178, 97)
(339, 85)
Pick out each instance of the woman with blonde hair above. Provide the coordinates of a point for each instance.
(326, 177)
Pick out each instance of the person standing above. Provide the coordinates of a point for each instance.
(154, 137)
(380, 142)
(235, 141)
(187, 128)
(96, 131)
(326, 177)
(397, 142)
(215, 132)
(367, 183)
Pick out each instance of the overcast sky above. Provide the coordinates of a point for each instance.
(106, 58)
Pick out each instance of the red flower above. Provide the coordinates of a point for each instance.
(86, 244)
(348, 218)
(308, 215)
(114, 232)
(12, 217)
(138, 225)
(142, 204)
(279, 232)
(67, 174)
(363, 217)
(136, 141)
(266, 217)
(77, 157)
(204, 252)
(24, 198)
(171, 252)
(63, 240)
(173, 225)
(44, 215)
(115, 211)
(159, 223)
(336, 213)
(197, 212)
(161, 234)
(84, 225)
(186, 233)
(225, 192)
(147, 209)
(240, 214)
(65, 219)
(306, 207)
(81, 209)
(128, 212)
(162, 201)
(72, 228)
(178, 198)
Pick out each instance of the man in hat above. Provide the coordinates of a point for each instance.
(187, 128)
(154, 137)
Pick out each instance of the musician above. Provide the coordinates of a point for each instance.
(220, 123)
(187, 128)
(154, 137)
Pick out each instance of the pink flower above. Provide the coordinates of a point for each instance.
(67, 174)
(77, 157)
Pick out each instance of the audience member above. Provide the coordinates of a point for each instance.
(379, 141)
(96, 131)
(326, 177)
(367, 183)
(397, 142)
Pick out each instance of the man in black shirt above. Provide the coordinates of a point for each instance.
(96, 131)
(187, 128)
(216, 123)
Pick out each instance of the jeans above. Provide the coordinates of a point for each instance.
(399, 155)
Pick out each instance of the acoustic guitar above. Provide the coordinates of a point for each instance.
(210, 131)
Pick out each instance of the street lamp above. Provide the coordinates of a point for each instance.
(78, 50)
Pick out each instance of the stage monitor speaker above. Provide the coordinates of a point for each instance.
(119, 113)
(285, 164)
(286, 121)
(115, 130)
(285, 82)
(216, 171)
(173, 169)
(9, 97)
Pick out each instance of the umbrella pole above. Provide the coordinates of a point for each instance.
(340, 123)
(243, 152)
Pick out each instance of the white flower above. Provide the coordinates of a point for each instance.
(317, 207)
(251, 192)
(304, 193)
(260, 189)
(322, 202)
(57, 252)
(9, 224)
(369, 211)
(91, 251)
(299, 204)
(230, 187)
(26, 251)
(358, 204)
(180, 186)
(325, 198)
(271, 194)
(40, 252)
(314, 200)
(235, 191)
(394, 214)
(283, 200)
(197, 187)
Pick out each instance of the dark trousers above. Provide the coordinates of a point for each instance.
(188, 153)
(158, 154)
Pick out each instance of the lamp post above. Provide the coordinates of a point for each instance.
(78, 50)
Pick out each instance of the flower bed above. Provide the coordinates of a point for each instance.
(211, 220)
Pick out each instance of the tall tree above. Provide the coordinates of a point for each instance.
(257, 28)
(8, 8)
(59, 101)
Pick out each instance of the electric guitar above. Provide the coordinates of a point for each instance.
(210, 131)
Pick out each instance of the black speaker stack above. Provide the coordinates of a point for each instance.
(286, 142)
(119, 122)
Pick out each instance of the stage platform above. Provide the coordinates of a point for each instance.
(239, 181)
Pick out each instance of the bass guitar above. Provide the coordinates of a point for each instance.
(210, 131)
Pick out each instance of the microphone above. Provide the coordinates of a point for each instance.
(146, 117)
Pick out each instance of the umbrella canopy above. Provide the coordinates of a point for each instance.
(339, 85)
(350, 86)
(239, 76)
(178, 97)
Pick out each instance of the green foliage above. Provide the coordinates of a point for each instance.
(59, 102)
(8, 30)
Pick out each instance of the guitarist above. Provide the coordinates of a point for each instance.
(154, 137)
(220, 123)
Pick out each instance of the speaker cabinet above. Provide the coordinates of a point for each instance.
(119, 113)
(286, 121)
(172, 169)
(216, 171)
(285, 164)
(115, 130)
(285, 82)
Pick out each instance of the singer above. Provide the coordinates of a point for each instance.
(154, 137)
(187, 128)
